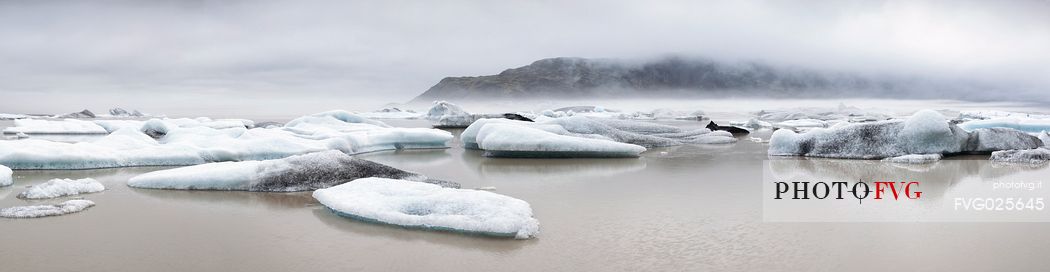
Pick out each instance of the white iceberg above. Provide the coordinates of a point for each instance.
(1032, 156)
(296, 173)
(504, 140)
(5, 176)
(67, 126)
(579, 136)
(67, 207)
(62, 187)
(925, 132)
(427, 206)
(1023, 124)
(337, 130)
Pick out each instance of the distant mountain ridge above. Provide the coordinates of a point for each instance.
(673, 77)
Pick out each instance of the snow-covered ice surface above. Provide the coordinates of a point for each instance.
(5, 176)
(505, 140)
(296, 173)
(427, 206)
(67, 126)
(62, 187)
(178, 145)
(1029, 125)
(1032, 156)
(925, 132)
(914, 158)
(34, 211)
(579, 136)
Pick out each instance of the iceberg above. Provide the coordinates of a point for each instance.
(447, 115)
(504, 140)
(82, 114)
(296, 173)
(67, 126)
(1031, 156)
(925, 132)
(1023, 124)
(67, 207)
(6, 176)
(62, 187)
(426, 206)
(175, 145)
(579, 136)
(119, 112)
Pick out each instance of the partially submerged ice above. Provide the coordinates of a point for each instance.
(447, 115)
(579, 136)
(504, 140)
(1031, 156)
(427, 206)
(296, 173)
(925, 132)
(34, 211)
(5, 176)
(178, 145)
(67, 126)
(62, 187)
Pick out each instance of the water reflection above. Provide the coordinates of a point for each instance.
(457, 240)
(239, 199)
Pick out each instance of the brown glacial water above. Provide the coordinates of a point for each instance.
(686, 208)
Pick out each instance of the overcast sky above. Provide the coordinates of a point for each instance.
(181, 56)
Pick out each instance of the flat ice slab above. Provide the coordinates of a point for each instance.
(427, 206)
(34, 211)
(503, 140)
(178, 145)
(296, 173)
(914, 158)
(579, 136)
(62, 187)
(68, 126)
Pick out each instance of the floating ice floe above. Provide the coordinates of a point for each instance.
(505, 140)
(925, 132)
(62, 187)
(914, 158)
(842, 112)
(752, 123)
(447, 115)
(12, 116)
(992, 114)
(1032, 156)
(801, 124)
(392, 113)
(427, 206)
(579, 136)
(67, 126)
(5, 176)
(67, 207)
(176, 145)
(296, 173)
(1023, 124)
